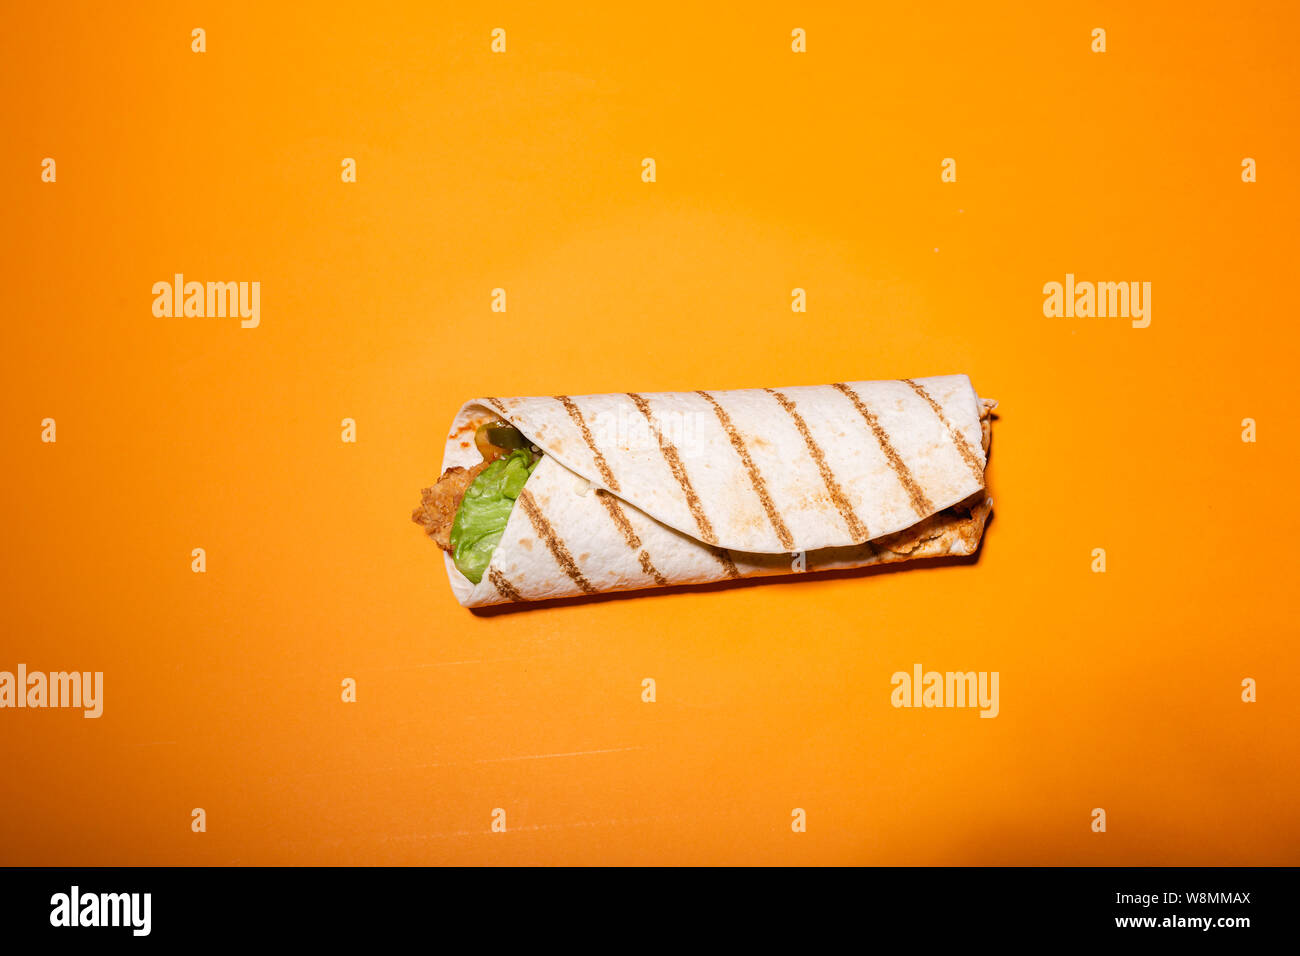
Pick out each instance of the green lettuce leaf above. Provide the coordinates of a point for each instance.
(485, 509)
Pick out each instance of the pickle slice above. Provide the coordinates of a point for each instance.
(495, 439)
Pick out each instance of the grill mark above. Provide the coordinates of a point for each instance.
(556, 546)
(755, 476)
(728, 565)
(679, 472)
(630, 536)
(620, 520)
(602, 465)
(856, 528)
(648, 567)
(958, 439)
(921, 504)
(501, 584)
(496, 403)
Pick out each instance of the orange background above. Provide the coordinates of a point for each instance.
(775, 171)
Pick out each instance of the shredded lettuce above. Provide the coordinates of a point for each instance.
(485, 509)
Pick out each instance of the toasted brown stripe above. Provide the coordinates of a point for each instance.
(553, 542)
(496, 403)
(678, 470)
(920, 503)
(620, 520)
(501, 584)
(729, 566)
(967, 453)
(648, 567)
(602, 465)
(856, 528)
(755, 476)
(629, 535)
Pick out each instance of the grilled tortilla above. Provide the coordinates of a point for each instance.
(642, 490)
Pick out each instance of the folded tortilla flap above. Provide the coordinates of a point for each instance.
(760, 471)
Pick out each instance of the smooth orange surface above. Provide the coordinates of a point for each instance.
(523, 171)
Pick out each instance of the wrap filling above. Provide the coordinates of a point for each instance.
(466, 510)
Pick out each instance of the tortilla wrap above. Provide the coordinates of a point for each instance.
(655, 489)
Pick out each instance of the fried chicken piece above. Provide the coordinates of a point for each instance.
(987, 405)
(438, 505)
